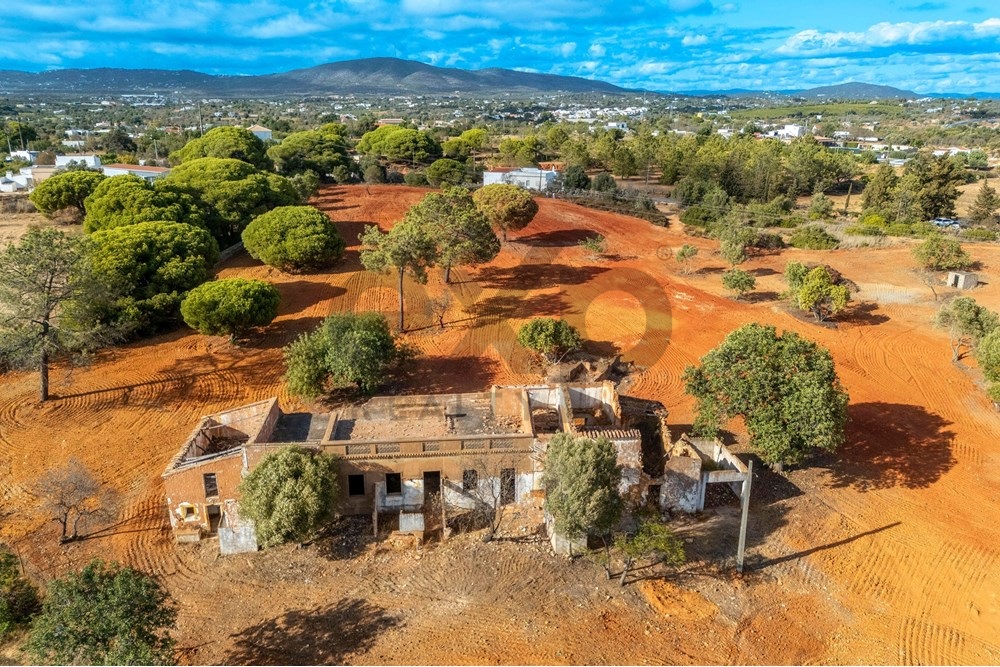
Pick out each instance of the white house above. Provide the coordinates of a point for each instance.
(530, 178)
(28, 156)
(148, 173)
(260, 132)
(14, 182)
(89, 161)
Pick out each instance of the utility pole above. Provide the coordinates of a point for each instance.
(745, 510)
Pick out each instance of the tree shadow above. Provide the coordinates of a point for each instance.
(509, 306)
(762, 297)
(763, 271)
(890, 445)
(526, 277)
(864, 314)
(323, 635)
(557, 239)
(709, 270)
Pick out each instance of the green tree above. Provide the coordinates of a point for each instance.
(938, 253)
(18, 596)
(653, 541)
(624, 163)
(106, 614)
(400, 144)
(293, 239)
(820, 295)
(47, 292)
(967, 323)
(784, 387)
(878, 194)
(984, 209)
(225, 142)
(65, 191)
(290, 495)
(820, 207)
(446, 172)
(462, 233)
(685, 254)
(346, 349)
(508, 207)
(407, 248)
(234, 191)
(127, 200)
(549, 337)
(603, 182)
(734, 240)
(581, 485)
(153, 265)
(232, 306)
(319, 151)
(575, 178)
(988, 356)
(739, 282)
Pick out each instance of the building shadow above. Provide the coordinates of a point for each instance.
(508, 306)
(556, 239)
(345, 538)
(449, 375)
(525, 277)
(323, 635)
(890, 445)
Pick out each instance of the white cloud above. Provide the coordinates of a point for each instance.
(597, 50)
(694, 40)
(567, 49)
(291, 25)
(808, 42)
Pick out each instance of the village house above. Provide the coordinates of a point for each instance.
(149, 173)
(530, 178)
(261, 132)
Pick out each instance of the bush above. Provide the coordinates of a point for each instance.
(698, 216)
(739, 282)
(820, 207)
(375, 174)
(230, 307)
(941, 254)
(813, 238)
(899, 229)
(105, 614)
(979, 234)
(347, 348)
(66, 190)
(293, 239)
(595, 245)
(549, 337)
(575, 178)
(18, 597)
(603, 182)
(290, 494)
(415, 178)
(768, 241)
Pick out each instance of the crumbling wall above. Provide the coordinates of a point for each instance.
(236, 534)
(562, 545)
(681, 489)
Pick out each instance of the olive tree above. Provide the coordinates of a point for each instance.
(346, 349)
(507, 207)
(739, 282)
(820, 295)
(967, 323)
(294, 238)
(230, 307)
(784, 387)
(290, 495)
(68, 190)
(581, 485)
(938, 253)
(105, 614)
(549, 337)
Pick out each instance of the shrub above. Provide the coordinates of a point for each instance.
(768, 241)
(105, 614)
(575, 178)
(446, 172)
(603, 182)
(595, 245)
(18, 597)
(979, 234)
(375, 173)
(697, 216)
(290, 494)
(66, 190)
(739, 282)
(941, 254)
(813, 238)
(415, 178)
(347, 348)
(820, 207)
(865, 230)
(230, 307)
(549, 337)
(294, 238)
(581, 485)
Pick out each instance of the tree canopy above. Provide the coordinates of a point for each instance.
(739, 282)
(105, 614)
(346, 349)
(399, 144)
(967, 323)
(235, 191)
(784, 387)
(127, 200)
(18, 596)
(939, 253)
(294, 238)
(984, 209)
(230, 307)
(581, 485)
(461, 232)
(66, 190)
(153, 264)
(320, 151)
(290, 494)
(225, 142)
(508, 207)
(445, 172)
(815, 290)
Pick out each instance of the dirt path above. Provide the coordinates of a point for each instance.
(885, 552)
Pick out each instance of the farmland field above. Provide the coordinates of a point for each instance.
(886, 552)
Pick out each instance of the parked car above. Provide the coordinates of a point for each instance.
(949, 223)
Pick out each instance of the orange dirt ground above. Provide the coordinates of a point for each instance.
(886, 552)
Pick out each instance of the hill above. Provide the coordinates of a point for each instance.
(857, 91)
(365, 76)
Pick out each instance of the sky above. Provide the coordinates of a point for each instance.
(661, 45)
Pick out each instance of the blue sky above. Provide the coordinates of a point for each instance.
(664, 45)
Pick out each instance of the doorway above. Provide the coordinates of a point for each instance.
(214, 517)
(432, 483)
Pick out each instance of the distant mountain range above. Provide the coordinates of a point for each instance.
(844, 91)
(386, 76)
